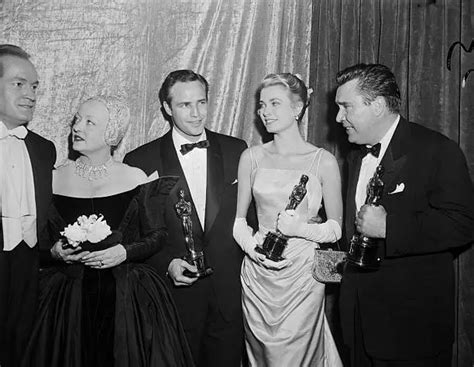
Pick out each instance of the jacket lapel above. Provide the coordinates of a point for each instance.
(395, 157)
(38, 180)
(215, 179)
(355, 162)
(171, 167)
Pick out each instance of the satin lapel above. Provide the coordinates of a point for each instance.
(169, 159)
(215, 179)
(395, 157)
(38, 179)
(354, 170)
(172, 167)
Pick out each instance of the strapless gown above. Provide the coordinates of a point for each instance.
(119, 317)
(285, 323)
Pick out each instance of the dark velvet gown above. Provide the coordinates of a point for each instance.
(122, 316)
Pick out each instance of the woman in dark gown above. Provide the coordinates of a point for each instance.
(99, 305)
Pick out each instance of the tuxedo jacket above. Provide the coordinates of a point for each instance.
(42, 157)
(221, 251)
(407, 305)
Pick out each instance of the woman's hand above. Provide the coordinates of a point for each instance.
(68, 254)
(289, 223)
(107, 258)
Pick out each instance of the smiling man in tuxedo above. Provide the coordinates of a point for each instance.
(401, 314)
(206, 162)
(26, 163)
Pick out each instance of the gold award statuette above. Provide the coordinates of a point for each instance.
(195, 255)
(275, 242)
(363, 250)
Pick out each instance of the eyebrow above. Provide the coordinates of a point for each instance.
(18, 77)
(271, 100)
(188, 102)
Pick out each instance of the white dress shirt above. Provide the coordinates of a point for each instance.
(194, 165)
(369, 165)
(17, 203)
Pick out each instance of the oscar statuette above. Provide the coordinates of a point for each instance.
(195, 255)
(363, 250)
(275, 242)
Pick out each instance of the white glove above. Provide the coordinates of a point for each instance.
(243, 235)
(329, 231)
(290, 224)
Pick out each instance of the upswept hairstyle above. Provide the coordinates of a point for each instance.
(294, 85)
(373, 80)
(11, 50)
(119, 118)
(182, 76)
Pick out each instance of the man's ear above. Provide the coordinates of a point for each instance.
(167, 108)
(380, 105)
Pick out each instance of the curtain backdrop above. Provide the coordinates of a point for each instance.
(127, 47)
(412, 38)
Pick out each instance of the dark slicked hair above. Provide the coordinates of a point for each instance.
(373, 80)
(11, 50)
(182, 76)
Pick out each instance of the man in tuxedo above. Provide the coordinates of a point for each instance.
(401, 313)
(26, 163)
(206, 162)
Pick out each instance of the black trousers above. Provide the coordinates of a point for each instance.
(18, 301)
(213, 340)
(360, 357)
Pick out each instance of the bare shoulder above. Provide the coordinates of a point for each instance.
(261, 150)
(255, 153)
(328, 166)
(245, 157)
(63, 176)
(130, 176)
(328, 160)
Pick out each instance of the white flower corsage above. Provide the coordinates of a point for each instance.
(92, 228)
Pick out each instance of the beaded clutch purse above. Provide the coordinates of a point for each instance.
(328, 265)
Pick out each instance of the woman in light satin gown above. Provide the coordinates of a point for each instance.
(283, 304)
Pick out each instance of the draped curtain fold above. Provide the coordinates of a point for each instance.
(413, 38)
(129, 46)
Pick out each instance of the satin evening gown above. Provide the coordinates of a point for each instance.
(119, 317)
(285, 323)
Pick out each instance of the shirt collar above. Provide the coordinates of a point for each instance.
(20, 131)
(179, 139)
(385, 141)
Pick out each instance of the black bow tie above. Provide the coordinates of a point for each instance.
(374, 150)
(186, 148)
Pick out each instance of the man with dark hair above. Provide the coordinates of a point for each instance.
(209, 307)
(26, 163)
(400, 311)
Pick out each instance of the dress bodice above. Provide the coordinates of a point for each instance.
(272, 186)
(136, 214)
(112, 207)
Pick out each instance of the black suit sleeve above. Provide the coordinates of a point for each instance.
(442, 216)
(44, 239)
